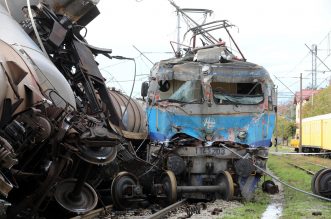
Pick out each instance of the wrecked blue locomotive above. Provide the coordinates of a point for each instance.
(204, 109)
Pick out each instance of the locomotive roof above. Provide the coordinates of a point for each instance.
(193, 67)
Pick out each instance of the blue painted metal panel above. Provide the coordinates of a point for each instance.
(164, 125)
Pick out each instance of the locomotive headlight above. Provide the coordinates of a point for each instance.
(242, 135)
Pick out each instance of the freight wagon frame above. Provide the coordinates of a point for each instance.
(316, 134)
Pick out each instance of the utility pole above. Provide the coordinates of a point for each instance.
(276, 88)
(178, 32)
(300, 138)
(313, 66)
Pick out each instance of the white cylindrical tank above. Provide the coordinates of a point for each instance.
(50, 78)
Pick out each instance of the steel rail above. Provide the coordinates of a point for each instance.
(298, 153)
(301, 168)
(95, 213)
(319, 165)
(166, 210)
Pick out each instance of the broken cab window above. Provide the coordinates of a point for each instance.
(189, 92)
(237, 93)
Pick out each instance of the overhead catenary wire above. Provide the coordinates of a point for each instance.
(284, 84)
(143, 54)
(326, 36)
(324, 80)
(112, 78)
(118, 63)
(125, 81)
(303, 59)
(133, 84)
(318, 58)
(295, 82)
(299, 63)
(143, 61)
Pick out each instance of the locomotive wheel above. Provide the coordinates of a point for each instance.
(322, 183)
(313, 181)
(169, 183)
(86, 201)
(225, 178)
(121, 189)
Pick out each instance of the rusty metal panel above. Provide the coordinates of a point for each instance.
(19, 77)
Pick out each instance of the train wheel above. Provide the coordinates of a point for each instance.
(169, 183)
(122, 190)
(313, 181)
(225, 179)
(84, 202)
(323, 183)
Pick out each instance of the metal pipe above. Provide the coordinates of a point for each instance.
(242, 55)
(178, 32)
(203, 189)
(300, 115)
(188, 17)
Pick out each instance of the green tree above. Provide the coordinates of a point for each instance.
(286, 127)
(319, 104)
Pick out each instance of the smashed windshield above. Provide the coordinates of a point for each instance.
(189, 92)
(237, 93)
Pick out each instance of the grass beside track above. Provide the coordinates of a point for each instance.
(250, 210)
(299, 205)
(296, 204)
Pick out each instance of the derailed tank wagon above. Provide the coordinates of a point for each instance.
(66, 140)
(203, 108)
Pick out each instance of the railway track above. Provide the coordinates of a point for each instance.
(301, 168)
(97, 213)
(106, 212)
(320, 183)
(163, 212)
(316, 164)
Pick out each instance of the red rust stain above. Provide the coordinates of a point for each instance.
(231, 134)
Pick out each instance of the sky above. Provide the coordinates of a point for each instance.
(269, 33)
